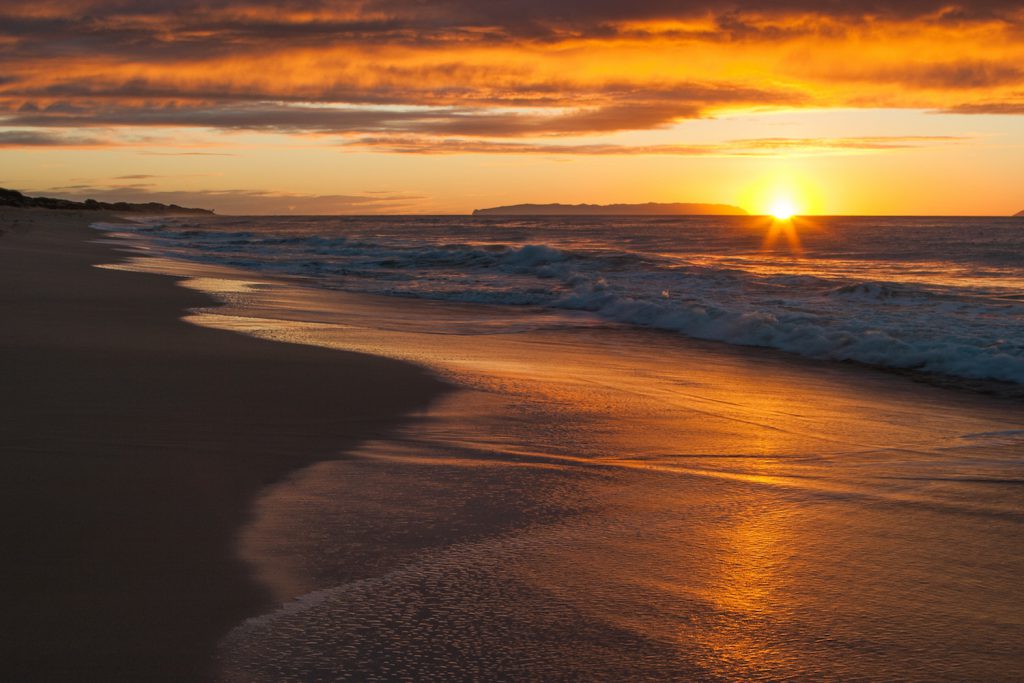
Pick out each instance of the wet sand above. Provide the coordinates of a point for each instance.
(596, 503)
(132, 445)
(609, 503)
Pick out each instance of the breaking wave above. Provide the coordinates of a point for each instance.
(912, 307)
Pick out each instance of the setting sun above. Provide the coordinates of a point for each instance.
(783, 209)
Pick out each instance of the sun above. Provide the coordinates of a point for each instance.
(782, 194)
(782, 209)
(782, 226)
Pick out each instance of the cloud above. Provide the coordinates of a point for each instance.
(417, 21)
(188, 154)
(505, 69)
(251, 202)
(866, 143)
(35, 138)
(1001, 108)
(958, 75)
(741, 147)
(526, 13)
(620, 108)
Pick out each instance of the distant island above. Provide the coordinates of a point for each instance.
(15, 198)
(1019, 213)
(648, 209)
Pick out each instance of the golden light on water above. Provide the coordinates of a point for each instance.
(781, 198)
(783, 227)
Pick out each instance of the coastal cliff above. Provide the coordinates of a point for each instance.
(648, 209)
(17, 199)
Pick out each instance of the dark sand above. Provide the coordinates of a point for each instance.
(131, 447)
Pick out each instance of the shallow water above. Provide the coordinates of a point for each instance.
(938, 295)
(601, 502)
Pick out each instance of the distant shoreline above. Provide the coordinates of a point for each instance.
(17, 200)
(648, 209)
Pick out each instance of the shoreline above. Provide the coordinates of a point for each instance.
(873, 313)
(787, 505)
(134, 445)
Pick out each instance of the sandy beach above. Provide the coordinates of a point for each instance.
(194, 490)
(132, 447)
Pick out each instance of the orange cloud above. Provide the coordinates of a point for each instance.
(502, 70)
(744, 148)
(243, 201)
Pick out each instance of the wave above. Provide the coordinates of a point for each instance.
(861, 340)
(934, 328)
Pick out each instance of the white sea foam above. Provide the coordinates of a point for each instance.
(934, 295)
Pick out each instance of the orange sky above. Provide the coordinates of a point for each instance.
(403, 106)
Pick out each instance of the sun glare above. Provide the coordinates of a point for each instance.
(783, 193)
(782, 209)
(783, 224)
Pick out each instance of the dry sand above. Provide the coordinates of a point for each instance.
(131, 447)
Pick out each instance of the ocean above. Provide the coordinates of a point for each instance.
(613, 493)
(936, 295)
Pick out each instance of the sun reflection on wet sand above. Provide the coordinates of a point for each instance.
(750, 587)
(599, 499)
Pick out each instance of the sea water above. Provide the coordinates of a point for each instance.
(937, 295)
(606, 500)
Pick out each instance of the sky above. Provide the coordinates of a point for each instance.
(443, 106)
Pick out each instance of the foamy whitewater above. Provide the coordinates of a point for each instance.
(937, 295)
